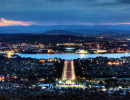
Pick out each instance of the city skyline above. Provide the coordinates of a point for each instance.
(64, 49)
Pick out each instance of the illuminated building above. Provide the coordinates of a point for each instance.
(81, 51)
(2, 78)
(43, 61)
(101, 51)
(114, 63)
(70, 44)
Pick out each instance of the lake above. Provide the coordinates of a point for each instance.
(72, 56)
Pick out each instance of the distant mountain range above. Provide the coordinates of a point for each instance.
(66, 29)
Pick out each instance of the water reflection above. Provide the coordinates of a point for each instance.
(72, 56)
(82, 55)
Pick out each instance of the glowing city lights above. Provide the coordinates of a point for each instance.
(114, 63)
(9, 55)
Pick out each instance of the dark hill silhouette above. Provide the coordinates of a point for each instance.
(59, 32)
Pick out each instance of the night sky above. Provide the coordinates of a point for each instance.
(64, 12)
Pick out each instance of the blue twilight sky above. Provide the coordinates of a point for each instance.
(64, 12)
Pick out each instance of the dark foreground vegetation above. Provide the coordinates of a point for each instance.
(21, 79)
(102, 67)
(64, 94)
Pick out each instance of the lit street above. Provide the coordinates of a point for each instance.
(68, 76)
(68, 72)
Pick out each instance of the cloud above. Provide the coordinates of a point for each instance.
(124, 1)
(90, 2)
(5, 22)
(93, 24)
(63, 12)
(115, 24)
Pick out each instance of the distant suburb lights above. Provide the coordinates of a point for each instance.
(4, 22)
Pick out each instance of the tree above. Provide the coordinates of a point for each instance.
(101, 83)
